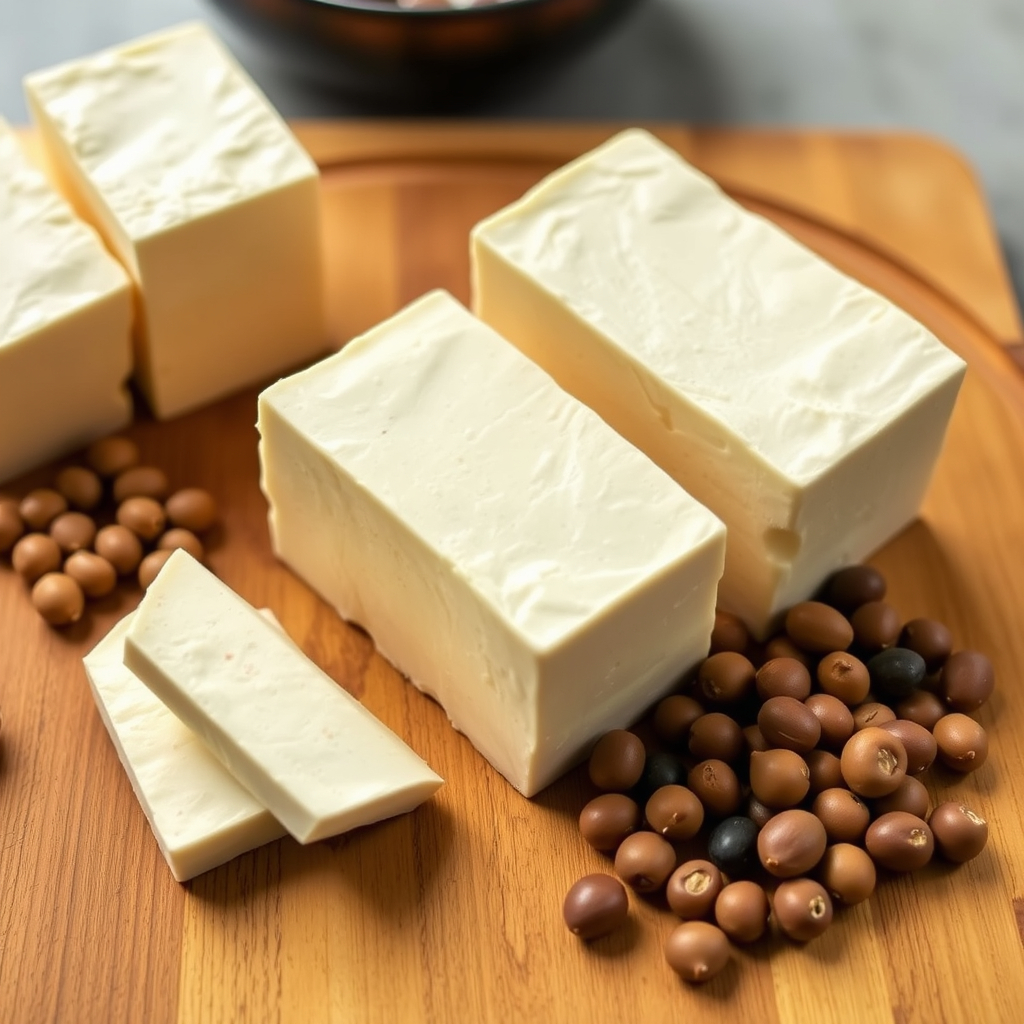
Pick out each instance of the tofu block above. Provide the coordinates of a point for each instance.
(200, 815)
(302, 746)
(65, 322)
(801, 407)
(509, 552)
(206, 197)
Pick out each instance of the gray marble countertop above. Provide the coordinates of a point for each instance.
(951, 68)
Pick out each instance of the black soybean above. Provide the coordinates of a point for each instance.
(896, 673)
(660, 769)
(732, 846)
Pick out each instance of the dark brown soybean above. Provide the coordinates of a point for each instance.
(853, 586)
(596, 905)
(960, 834)
(900, 841)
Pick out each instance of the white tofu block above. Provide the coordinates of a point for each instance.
(306, 749)
(65, 318)
(200, 815)
(197, 185)
(804, 409)
(507, 550)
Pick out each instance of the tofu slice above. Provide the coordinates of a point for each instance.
(201, 817)
(65, 321)
(169, 149)
(507, 550)
(302, 746)
(801, 407)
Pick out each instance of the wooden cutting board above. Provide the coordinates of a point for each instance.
(452, 913)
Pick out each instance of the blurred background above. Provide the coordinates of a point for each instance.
(950, 68)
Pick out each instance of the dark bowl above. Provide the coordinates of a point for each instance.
(419, 56)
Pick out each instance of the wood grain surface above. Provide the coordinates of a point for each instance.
(452, 913)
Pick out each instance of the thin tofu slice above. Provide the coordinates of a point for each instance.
(307, 750)
(200, 815)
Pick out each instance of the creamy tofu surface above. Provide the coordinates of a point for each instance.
(507, 550)
(65, 318)
(803, 408)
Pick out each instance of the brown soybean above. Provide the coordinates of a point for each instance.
(782, 647)
(184, 539)
(962, 742)
(923, 707)
(40, 507)
(779, 778)
(73, 531)
(58, 598)
(95, 575)
(842, 675)
(644, 861)
(607, 819)
(911, 796)
(791, 843)
(758, 812)
(35, 555)
(693, 888)
(754, 738)
(843, 814)
(967, 681)
(697, 951)
(803, 909)
(120, 547)
(716, 786)
(873, 762)
(150, 566)
(786, 722)
(818, 627)
(112, 455)
(848, 873)
(729, 633)
(918, 742)
(825, 768)
(674, 812)
(596, 905)
(871, 715)
(143, 516)
(193, 509)
(960, 834)
(725, 678)
(716, 735)
(742, 910)
(853, 586)
(82, 488)
(899, 841)
(876, 626)
(673, 718)
(834, 717)
(617, 761)
(12, 526)
(141, 482)
(783, 677)
(929, 638)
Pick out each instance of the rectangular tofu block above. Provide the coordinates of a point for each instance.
(508, 551)
(204, 194)
(801, 407)
(302, 746)
(65, 321)
(200, 815)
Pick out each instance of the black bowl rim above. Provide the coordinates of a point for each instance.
(390, 9)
